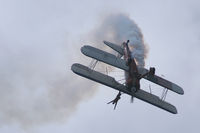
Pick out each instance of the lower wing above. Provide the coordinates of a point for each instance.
(111, 82)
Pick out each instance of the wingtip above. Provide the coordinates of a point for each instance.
(104, 41)
(178, 89)
(175, 111)
(84, 49)
(73, 67)
(181, 91)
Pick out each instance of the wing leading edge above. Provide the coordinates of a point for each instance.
(111, 82)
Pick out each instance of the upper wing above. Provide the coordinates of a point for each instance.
(114, 47)
(162, 82)
(120, 63)
(111, 82)
(104, 57)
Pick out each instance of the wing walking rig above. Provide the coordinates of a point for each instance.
(133, 74)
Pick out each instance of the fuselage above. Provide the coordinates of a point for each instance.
(131, 76)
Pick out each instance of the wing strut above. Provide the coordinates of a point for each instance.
(164, 94)
(150, 89)
(93, 64)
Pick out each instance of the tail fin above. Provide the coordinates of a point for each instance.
(114, 47)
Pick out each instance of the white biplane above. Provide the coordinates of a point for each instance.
(133, 74)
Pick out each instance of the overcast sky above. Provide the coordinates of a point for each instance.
(40, 39)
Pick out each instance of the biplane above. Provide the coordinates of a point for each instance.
(133, 75)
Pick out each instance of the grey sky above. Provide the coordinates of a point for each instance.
(170, 28)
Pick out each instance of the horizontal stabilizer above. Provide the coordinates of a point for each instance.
(162, 82)
(111, 82)
(114, 47)
(104, 57)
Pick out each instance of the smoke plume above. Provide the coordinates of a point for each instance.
(119, 28)
(36, 83)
